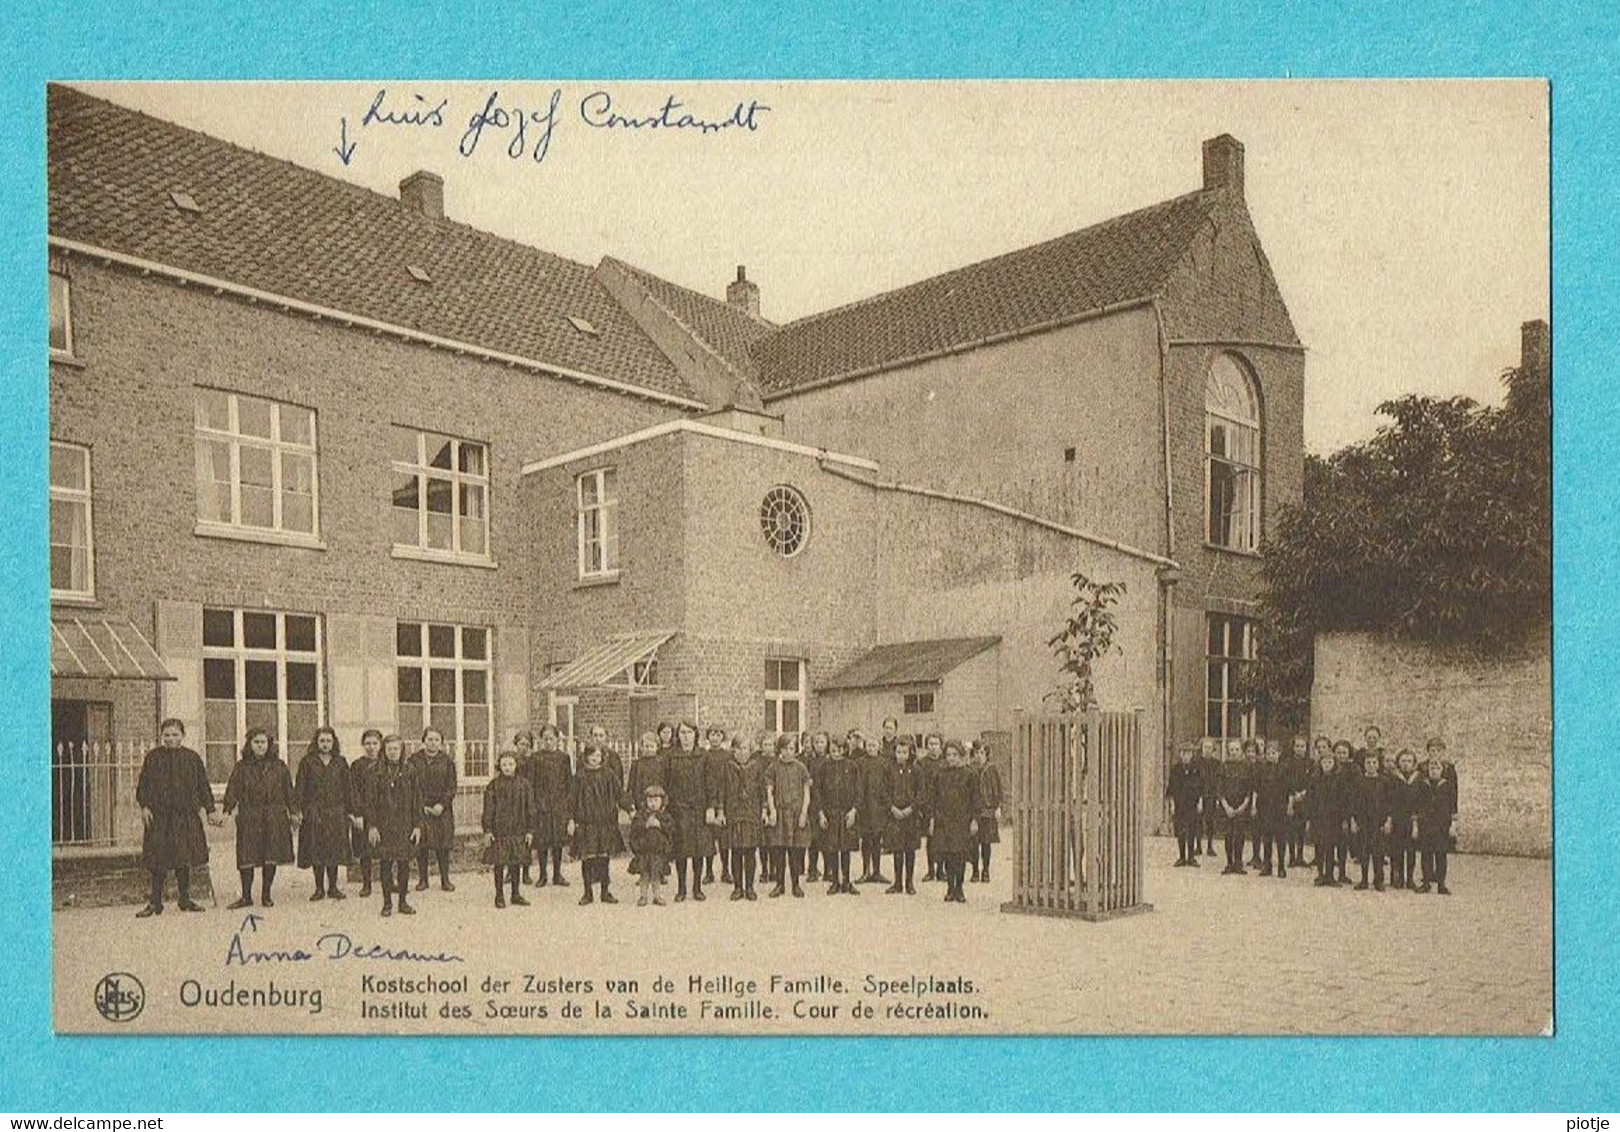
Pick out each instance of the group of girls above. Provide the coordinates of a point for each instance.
(1348, 803)
(383, 808)
(766, 806)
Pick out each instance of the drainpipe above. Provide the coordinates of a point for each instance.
(1168, 575)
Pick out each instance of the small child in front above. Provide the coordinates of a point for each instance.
(650, 841)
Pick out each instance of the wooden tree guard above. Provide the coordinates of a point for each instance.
(1078, 829)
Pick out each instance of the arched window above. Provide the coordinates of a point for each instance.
(1232, 455)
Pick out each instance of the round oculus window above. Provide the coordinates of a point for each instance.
(784, 517)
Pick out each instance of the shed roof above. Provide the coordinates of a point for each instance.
(910, 662)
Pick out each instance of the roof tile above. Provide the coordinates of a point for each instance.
(278, 227)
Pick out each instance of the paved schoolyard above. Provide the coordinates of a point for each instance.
(1216, 955)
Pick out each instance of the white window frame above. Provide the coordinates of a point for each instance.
(77, 497)
(1222, 668)
(423, 471)
(638, 675)
(1249, 427)
(240, 653)
(606, 508)
(562, 712)
(458, 744)
(776, 697)
(233, 436)
(66, 349)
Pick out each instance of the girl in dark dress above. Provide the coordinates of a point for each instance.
(1185, 789)
(1369, 819)
(952, 825)
(787, 813)
(716, 754)
(523, 747)
(323, 798)
(740, 811)
(393, 810)
(436, 768)
(835, 801)
(508, 827)
(989, 810)
(651, 768)
(597, 801)
(1324, 810)
(173, 794)
(930, 762)
(1253, 759)
(650, 843)
(1209, 771)
(1405, 786)
(1234, 792)
(814, 752)
(551, 776)
(689, 808)
(1271, 812)
(903, 833)
(260, 793)
(1437, 822)
(872, 777)
(1296, 776)
(360, 772)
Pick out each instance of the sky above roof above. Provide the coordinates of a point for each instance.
(1407, 222)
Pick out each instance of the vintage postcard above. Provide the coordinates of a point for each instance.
(591, 557)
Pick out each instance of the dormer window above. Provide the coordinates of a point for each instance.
(583, 325)
(184, 201)
(417, 273)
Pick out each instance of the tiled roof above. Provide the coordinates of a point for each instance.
(727, 331)
(278, 227)
(1119, 260)
(913, 662)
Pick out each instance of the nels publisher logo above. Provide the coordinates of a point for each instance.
(120, 997)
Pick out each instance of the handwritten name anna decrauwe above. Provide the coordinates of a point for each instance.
(525, 128)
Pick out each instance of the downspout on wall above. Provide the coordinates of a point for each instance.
(1168, 575)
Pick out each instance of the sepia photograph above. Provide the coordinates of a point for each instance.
(593, 557)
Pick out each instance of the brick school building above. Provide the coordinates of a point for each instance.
(320, 455)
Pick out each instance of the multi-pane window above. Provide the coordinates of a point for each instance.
(598, 523)
(563, 714)
(442, 675)
(440, 493)
(784, 695)
(917, 703)
(1229, 647)
(72, 547)
(1232, 455)
(260, 669)
(61, 312)
(255, 464)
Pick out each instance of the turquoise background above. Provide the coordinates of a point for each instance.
(1572, 43)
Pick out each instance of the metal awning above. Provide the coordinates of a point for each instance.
(613, 658)
(103, 648)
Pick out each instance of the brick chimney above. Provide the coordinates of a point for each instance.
(742, 294)
(1535, 349)
(1223, 164)
(423, 192)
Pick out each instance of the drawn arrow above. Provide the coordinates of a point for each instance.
(250, 923)
(345, 148)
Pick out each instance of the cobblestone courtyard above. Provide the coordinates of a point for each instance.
(1216, 955)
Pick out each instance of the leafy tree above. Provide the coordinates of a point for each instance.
(1086, 637)
(1439, 528)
